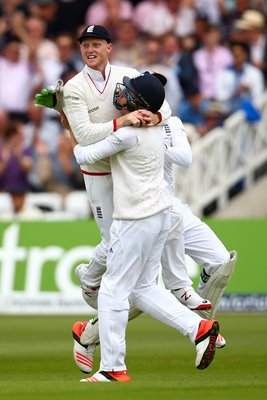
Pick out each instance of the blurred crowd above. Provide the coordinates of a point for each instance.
(213, 53)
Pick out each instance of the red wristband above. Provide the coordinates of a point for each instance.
(160, 117)
(114, 125)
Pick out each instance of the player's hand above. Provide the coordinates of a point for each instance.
(149, 118)
(46, 98)
(132, 119)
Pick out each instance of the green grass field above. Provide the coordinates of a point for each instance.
(36, 362)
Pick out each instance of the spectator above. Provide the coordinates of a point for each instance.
(199, 112)
(109, 13)
(60, 16)
(240, 82)
(152, 61)
(230, 12)
(152, 17)
(201, 24)
(15, 160)
(252, 24)
(9, 9)
(187, 72)
(183, 15)
(128, 46)
(66, 172)
(32, 33)
(209, 60)
(47, 11)
(212, 8)
(170, 50)
(54, 69)
(17, 80)
(42, 139)
(156, 17)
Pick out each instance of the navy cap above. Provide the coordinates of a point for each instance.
(148, 88)
(161, 77)
(97, 31)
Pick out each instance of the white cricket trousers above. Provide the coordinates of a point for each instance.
(199, 242)
(132, 269)
(100, 193)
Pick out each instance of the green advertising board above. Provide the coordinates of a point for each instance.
(38, 260)
(37, 264)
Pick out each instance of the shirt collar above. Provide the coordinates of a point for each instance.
(97, 76)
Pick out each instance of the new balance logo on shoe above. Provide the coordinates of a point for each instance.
(186, 296)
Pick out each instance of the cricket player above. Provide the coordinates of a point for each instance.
(141, 223)
(199, 240)
(88, 103)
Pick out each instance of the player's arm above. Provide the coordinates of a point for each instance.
(178, 150)
(124, 139)
(86, 132)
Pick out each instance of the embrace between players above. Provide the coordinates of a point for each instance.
(126, 142)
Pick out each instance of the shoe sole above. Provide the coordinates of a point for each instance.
(80, 358)
(82, 361)
(211, 348)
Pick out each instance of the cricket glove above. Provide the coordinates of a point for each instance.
(51, 96)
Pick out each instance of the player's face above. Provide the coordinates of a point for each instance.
(124, 98)
(95, 53)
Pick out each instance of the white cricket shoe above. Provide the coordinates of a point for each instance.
(205, 342)
(108, 376)
(191, 299)
(83, 354)
(220, 341)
